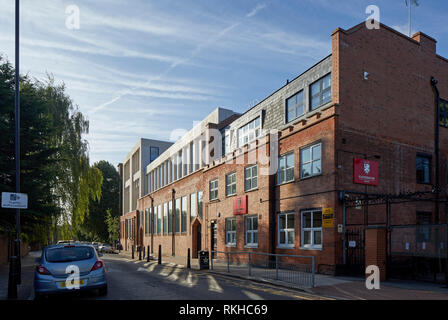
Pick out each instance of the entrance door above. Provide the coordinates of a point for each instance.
(196, 241)
(355, 250)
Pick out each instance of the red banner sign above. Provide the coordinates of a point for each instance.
(240, 205)
(365, 171)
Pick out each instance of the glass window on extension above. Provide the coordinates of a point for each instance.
(320, 92)
(295, 106)
(184, 215)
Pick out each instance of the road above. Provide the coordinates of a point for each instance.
(133, 280)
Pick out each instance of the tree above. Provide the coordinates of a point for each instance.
(113, 226)
(95, 227)
(55, 170)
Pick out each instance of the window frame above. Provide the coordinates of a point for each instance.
(230, 232)
(215, 189)
(245, 131)
(311, 229)
(321, 92)
(183, 216)
(251, 231)
(251, 178)
(232, 184)
(296, 105)
(311, 161)
(287, 230)
(285, 156)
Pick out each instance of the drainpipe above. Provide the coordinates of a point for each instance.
(151, 217)
(437, 183)
(436, 143)
(173, 215)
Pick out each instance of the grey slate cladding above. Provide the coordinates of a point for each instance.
(273, 109)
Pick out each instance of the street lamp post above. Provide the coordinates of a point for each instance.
(15, 265)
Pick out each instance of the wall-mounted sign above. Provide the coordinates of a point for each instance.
(14, 200)
(240, 205)
(327, 218)
(365, 171)
(352, 244)
(340, 228)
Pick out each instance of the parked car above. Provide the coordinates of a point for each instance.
(51, 275)
(106, 248)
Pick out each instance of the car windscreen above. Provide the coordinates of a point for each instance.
(65, 254)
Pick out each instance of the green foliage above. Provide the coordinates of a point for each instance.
(113, 226)
(94, 227)
(55, 171)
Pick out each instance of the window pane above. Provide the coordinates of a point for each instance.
(326, 96)
(290, 160)
(282, 237)
(281, 176)
(305, 155)
(249, 237)
(247, 185)
(257, 122)
(318, 237)
(306, 220)
(290, 174)
(299, 110)
(291, 237)
(317, 152)
(255, 237)
(281, 163)
(255, 224)
(315, 88)
(281, 221)
(306, 170)
(317, 219)
(316, 167)
(290, 224)
(307, 237)
(254, 183)
(254, 171)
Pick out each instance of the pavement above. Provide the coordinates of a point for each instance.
(341, 288)
(25, 289)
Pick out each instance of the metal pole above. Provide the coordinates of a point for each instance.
(276, 267)
(250, 273)
(15, 265)
(228, 267)
(313, 274)
(160, 254)
(437, 160)
(188, 259)
(147, 257)
(344, 240)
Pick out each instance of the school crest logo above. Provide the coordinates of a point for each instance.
(366, 167)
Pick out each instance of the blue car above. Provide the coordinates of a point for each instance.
(69, 268)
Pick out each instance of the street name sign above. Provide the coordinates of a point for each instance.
(14, 200)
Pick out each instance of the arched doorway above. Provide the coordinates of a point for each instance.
(196, 239)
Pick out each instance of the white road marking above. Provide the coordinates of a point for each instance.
(213, 284)
(252, 295)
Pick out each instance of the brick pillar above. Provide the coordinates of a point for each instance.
(375, 246)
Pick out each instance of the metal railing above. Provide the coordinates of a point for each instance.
(293, 270)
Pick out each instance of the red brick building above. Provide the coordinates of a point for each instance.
(351, 174)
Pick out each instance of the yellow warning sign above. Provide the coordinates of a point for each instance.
(327, 218)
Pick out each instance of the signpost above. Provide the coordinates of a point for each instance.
(14, 200)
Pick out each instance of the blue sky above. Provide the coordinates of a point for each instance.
(144, 68)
